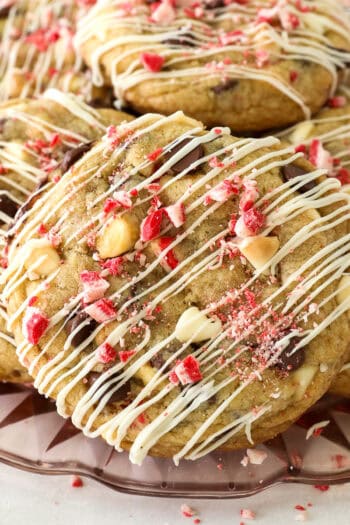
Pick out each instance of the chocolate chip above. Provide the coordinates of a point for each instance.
(5, 11)
(157, 361)
(2, 124)
(73, 155)
(192, 156)
(8, 206)
(291, 171)
(84, 332)
(214, 4)
(183, 39)
(288, 361)
(225, 86)
(119, 395)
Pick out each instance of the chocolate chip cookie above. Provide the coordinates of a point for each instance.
(179, 290)
(325, 141)
(249, 65)
(39, 138)
(37, 52)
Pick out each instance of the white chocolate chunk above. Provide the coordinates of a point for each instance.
(40, 258)
(118, 237)
(302, 379)
(259, 250)
(301, 132)
(343, 289)
(195, 325)
(145, 373)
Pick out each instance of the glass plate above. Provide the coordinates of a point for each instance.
(33, 437)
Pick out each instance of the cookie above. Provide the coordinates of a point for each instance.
(10, 368)
(36, 50)
(38, 137)
(191, 300)
(248, 65)
(325, 141)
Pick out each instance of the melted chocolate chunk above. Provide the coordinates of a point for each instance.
(189, 158)
(291, 171)
(213, 4)
(73, 155)
(84, 332)
(119, 395)
(225, 86)
(28, 204)
(288, 361)
(184, 39)
(8, 206)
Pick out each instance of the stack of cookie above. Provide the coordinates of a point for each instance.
(176, 282)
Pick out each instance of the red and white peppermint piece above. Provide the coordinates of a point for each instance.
(152, 62)
(114, 265)
(35, 324)
(169, 260)
(151, 225)
(102, 310)
(164, 14)
(187, 371)
(254, 220)
(125, 355)
(76, 482)
(337, 102)
(222, 192)
(106, 353)
(248, 514)
(319, 156)
(176, 214)
(187, 511)
(94, 286)
(123, 199)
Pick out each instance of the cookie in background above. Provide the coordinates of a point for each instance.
(39, 138)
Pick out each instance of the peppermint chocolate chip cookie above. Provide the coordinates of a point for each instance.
(37, 52)
(325, 141)
(249, 65)
(37, 138)
(192, 298)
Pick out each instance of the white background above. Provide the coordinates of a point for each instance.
(30, 499)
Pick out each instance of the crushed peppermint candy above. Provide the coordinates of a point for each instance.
(94, 286)
(35, 324)
(106, 353)
(186, 371)
(176, 214)
(247, 514)
(316, 429)
(152, 62)
(151, 225)
(102, 310)
(76, 482)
